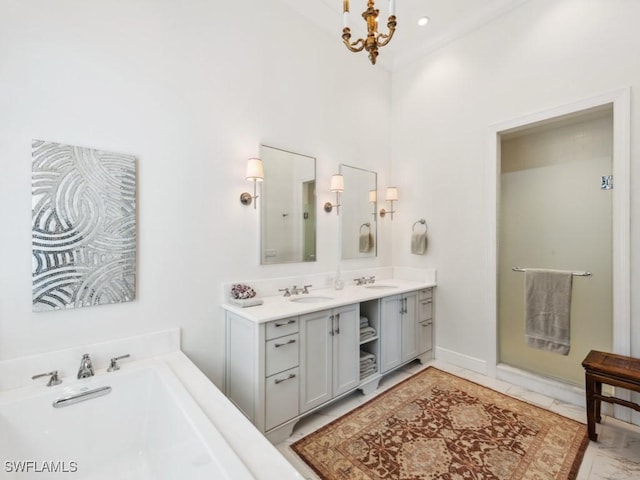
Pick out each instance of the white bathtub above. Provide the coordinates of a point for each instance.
(147, 427)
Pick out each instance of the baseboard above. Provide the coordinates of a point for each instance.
(470, 363)
(553, 388)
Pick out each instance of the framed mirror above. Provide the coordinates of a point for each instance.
(359, 233)
(288, 213)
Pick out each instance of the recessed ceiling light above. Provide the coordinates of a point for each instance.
(422, 21)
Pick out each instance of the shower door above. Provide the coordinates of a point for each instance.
(555, 214)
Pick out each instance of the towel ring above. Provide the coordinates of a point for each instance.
(422, 221)
(367, 224)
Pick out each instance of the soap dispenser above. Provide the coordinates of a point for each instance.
(338, 283)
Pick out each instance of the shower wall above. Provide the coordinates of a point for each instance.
(553, 214)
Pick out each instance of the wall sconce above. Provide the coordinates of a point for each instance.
(337, 186)
(391, 196)
(255, 173)
(373, 198)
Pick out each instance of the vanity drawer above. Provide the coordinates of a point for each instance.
(425, 293)
(425, 336)
(425, 309)
(282, 402)
(282, 353)
(279, 328)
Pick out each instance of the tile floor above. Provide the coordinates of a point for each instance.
(616, 455)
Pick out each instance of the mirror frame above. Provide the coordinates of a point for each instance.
(344, 208)
(264, 192)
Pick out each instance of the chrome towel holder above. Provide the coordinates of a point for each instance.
(422, 221)
(575, 274)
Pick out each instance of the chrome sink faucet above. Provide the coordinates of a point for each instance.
(86, 367)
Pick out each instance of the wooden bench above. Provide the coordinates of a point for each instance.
(614, 370)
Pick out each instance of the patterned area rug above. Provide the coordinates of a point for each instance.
(435, 425)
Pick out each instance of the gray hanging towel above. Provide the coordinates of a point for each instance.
(548, 309)
(419, 243)
(365, 242)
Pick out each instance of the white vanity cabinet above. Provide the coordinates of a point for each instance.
(280, 367)
(329, 363)
(399, 341)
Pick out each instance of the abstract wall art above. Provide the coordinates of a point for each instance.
(83, 226)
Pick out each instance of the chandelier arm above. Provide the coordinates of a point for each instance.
(384, 38)
(354, 46)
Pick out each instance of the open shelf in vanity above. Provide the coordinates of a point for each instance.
(369, 346)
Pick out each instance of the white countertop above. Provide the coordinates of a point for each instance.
(278, 307)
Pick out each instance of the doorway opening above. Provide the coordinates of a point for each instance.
(556, 214)
(619, 102)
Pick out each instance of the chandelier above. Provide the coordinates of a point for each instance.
(374, 39)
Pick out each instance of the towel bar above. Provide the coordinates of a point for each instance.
(575, 274)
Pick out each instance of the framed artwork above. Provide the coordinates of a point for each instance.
(83, 226)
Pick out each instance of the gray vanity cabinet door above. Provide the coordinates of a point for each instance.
(329, 358)
(346, 357)
(391, 332)
(316, 339)
(399, 330)
(409, 326)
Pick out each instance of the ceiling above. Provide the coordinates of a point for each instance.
(448, 20)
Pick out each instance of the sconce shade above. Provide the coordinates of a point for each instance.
(373, 196)
(255, 170)
(337, 183)
(392, 194)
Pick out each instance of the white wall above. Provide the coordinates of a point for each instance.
(544, 54)
(191, 89)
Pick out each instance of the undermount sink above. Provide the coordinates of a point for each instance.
(310, 299)
(380, 287)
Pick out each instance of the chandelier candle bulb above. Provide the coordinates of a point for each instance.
(392, 8)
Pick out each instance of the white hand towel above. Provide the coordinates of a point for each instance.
(246, 302)
(548, 309)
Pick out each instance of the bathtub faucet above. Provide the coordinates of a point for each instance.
(86, 367)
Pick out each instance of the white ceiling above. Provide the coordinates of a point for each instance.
(449, 20)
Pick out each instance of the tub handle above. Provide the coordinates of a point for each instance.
(81, 397)
(114, 363)
(54, 380)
